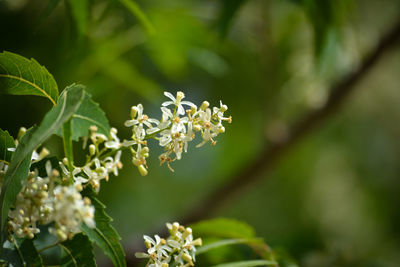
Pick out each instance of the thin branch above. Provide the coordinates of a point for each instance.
(271, 154)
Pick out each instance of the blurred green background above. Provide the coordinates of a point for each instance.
(333, 200)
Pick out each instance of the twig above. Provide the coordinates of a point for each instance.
(268, 158)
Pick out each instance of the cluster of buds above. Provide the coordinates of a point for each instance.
(44, 201)
(176, 128)
(178, 249)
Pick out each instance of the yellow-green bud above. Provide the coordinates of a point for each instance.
(133, 112)
(21, 132)
(147, 244)
(92, 150)
(142, 170)
(188, 231)
(193, 109)
(186, 257)
(197, 242)
(204, 105)
(179, 96)
(223, 108)
(175, 227)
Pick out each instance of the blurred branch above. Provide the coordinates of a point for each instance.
(271, 154)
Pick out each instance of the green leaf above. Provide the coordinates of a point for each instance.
(104, 235)
(24, 254)
(30, 254)
(80, 13)
(134, 8)
(89, 113)
(6, 141)
(19, 166)
(21, 76)
(77, 252)
(222, 227)
(247, 263)
(227, 242)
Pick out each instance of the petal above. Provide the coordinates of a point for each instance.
(167, 103)
(181, 110)
(188, 103)
(131, 123)
(170, 96)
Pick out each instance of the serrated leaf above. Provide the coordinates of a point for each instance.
(227, 242)
(19, 166)
(21, 76)
(89, 113)
(104, 235)
(252, 263)
(24, 254)
(77, 252)
(30, 254)
(222, 227)
(6, 141)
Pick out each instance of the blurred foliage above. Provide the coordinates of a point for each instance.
(333, 201)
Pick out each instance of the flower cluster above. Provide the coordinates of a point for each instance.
(99, 162)
(42, 201)
(176, 128)
(56, 198)
(179, 248)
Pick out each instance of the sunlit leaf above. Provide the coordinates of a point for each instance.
(19, 166)
(222, 227)
(6, 141)
(77, 252)
(104, 235)
(88, 114)
(21, 76)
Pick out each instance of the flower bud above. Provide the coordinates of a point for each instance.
(92, 150)
(223, 108)
(44, 153)
(193, 109)
(134, 111)
(179, 96)
(197, 242)
(186, 257)
(204, 105)
(142, 170)
(175, 227)
(21, 132)
(188, 231)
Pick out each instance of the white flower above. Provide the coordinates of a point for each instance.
(114, 143)
(140, 118)
(177, 102)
